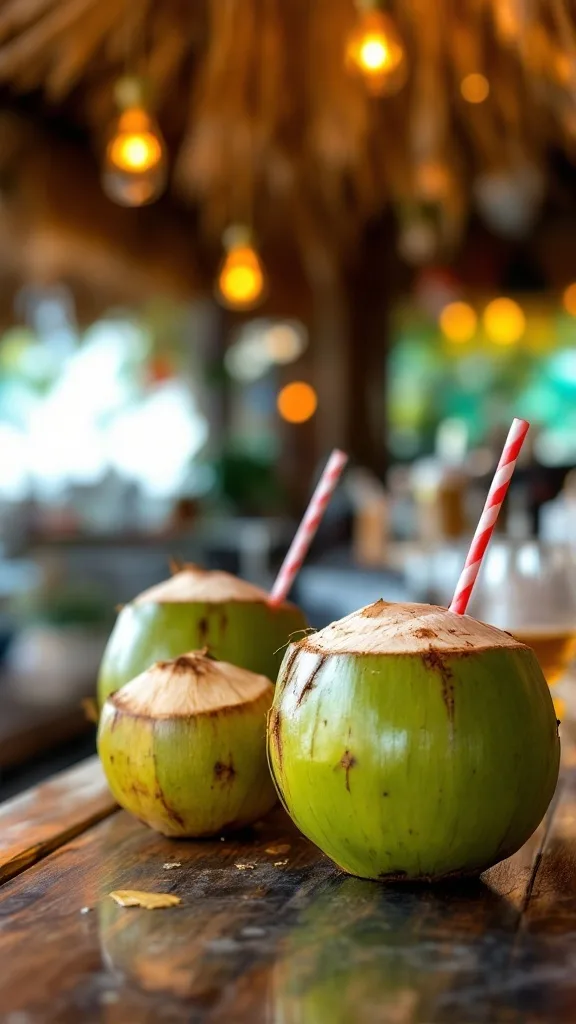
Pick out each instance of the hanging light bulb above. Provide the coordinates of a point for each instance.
(241, 282)
(135, 163)
(376, 51)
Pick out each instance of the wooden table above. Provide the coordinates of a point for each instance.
(266, 934)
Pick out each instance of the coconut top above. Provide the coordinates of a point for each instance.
(191, 583)
(388, 628)
(191, 684)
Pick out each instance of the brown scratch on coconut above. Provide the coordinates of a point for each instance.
(159, 795)
(434, 661)
(225, 773)
(274, 723)
(347, 761)
(284, 679)
(203, 630)
(172, 814)
(309, 684)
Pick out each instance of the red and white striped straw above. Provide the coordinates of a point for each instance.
(305, 533)
(485, 527)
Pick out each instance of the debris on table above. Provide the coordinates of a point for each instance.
(172, 864)
(278, 848)
(245, 867)
(280, 863)
(148, 900)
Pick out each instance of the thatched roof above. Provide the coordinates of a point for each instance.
(56, 224)
(264, 122)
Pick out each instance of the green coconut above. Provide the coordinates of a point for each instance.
(198, 608)
(409, 742)
(183, 746)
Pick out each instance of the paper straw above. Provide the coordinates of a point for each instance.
(305, 533)
(485, 527)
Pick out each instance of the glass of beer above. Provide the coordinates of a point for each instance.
(529, 589)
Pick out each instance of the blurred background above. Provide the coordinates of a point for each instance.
(237, 233)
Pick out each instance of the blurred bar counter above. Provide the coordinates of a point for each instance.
(35, 741)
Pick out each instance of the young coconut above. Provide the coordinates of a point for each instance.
(183, 746)
(198, 608)
(409, 742)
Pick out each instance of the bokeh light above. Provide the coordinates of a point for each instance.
(135, 152)
(136, 146)
(475, 88)
(241, 282)
(458, 322)
(376, 51)
(297, 402)
(134, 170)
(504, 321)
(569, 299)
(284, 342)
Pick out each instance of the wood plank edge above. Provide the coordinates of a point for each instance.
(11, 868)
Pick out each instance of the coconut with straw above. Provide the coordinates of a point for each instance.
(194, 609)
(413, 742)
(183, 744)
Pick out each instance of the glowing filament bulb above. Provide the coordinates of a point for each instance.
(131, 150)
(241, 279)
(135, 162)
(376, 51)
(374, 54)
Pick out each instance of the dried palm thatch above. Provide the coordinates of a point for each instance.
(265, 123)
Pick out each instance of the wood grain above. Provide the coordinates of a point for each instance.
(295, 942)
(36, 823)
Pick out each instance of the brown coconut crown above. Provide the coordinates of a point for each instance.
(192, 583)
(388, 628)
(192, 684)
(183, 746)
(193, 609)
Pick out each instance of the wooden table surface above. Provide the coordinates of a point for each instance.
(266, 934)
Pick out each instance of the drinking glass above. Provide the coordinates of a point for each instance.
(529, 589)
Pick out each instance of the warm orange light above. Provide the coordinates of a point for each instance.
(504, 321)
(241, 280)
(297, 402)
(458, 322)
(569, 299)
(135, 164)
(135, 146)
(135, 152)
(375, 50)
(475, 88)
(374, 54)
(432, 180)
